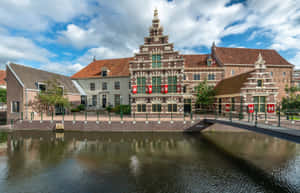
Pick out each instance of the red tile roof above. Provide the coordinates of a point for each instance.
(248, 56)
(2, 77)
(233, 84)
(199, 60)
(116, 67)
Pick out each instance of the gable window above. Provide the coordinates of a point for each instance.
(156, 61)
(94, 100)
(92, 86)
(156, 107)
(172, 107)
(211, 77)
(141, 85)
(172, 84)
(104, 85)
(156, 81)
(196, 76)
(259, 103)
(141, 107)
(117, 85)
(259, 83)
(15, 106)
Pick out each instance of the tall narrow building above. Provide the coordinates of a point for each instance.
(157, 75)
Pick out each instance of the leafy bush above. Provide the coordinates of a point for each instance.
(109, 108)
(126, 109)
(81, 107)
(75, 110)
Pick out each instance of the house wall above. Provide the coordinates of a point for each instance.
(110, 93)
(15, 92)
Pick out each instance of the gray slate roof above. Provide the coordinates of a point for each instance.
(31, 76)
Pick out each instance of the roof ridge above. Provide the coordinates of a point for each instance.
(112, 59)
(246, 48)
(36, 69)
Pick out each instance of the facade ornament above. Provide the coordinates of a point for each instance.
(260, 62)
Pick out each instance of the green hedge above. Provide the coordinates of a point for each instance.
(126, 109)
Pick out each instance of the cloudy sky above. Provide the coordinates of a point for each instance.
(64, 35)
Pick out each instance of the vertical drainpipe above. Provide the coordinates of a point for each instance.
(26, 104)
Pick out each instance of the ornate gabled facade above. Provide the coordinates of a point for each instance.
(157, 73)
(253, 87)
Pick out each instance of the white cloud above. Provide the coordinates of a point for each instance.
(104, 53)
(65, 68)
(296, 60)
(79, 37)
(20, 48)
(37, 15)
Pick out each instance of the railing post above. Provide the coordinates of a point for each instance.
(74, 117)
(121, 114)
(158, 117)
(256, 118)
(63, 116)
(31, 116)
(109, 117)
(248, 116)
(85, 117)
(41, 117)
(230, 114)
(279, 116)
(98, 116)
(146, 117)
(265, 116)
(52, 116)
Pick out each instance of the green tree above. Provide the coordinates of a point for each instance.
(205, 95)
(291, 103)
(2, 95)
(46, 100)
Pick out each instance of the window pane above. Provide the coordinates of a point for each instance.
(262, 108)
(255, 99)
(144, 107)
(174, 107)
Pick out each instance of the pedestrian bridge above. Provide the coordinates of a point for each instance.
(279, 132)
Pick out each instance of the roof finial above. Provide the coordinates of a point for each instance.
(260, 62)
(155, 13)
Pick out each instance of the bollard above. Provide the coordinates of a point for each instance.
(158, 117)
(146, 118)
(52, 116)
(191, 116)
(265, 116)
(21, 116)
(41, 117)
(98, 116)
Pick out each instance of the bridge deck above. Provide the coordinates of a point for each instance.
(280, 132)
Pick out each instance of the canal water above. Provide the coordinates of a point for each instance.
(74, 162)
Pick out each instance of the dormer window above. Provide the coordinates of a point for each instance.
(104, 73)
(42, 87)
(156, 61)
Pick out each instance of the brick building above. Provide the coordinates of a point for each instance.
(163, 80)
(252, 87)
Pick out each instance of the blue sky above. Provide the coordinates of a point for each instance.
(63, 36)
